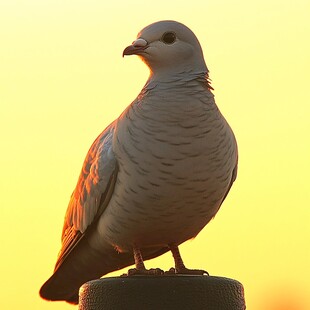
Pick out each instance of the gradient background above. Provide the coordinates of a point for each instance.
(63, 80)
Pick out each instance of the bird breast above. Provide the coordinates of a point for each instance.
(175, 164)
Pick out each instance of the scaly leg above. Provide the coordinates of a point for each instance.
(138, 259)
(179, 265)
(140, 268)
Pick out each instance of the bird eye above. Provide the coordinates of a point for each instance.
(168, 37)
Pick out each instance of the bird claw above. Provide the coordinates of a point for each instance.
(159, 272)
(143, 272)
(171, 271)
(187, 271)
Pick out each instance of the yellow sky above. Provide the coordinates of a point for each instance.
(63, 80)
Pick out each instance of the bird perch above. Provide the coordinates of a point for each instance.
(162, 292)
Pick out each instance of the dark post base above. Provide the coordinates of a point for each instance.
(162, 292)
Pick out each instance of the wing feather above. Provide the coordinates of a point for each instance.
(92, 193)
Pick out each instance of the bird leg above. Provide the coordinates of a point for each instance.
(140, 268)
(179, 265)
(138, 259)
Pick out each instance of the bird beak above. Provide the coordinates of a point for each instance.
(136, 48)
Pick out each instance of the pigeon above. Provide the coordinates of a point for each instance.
(155, 176)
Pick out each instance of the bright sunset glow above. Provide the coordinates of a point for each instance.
(63, 80)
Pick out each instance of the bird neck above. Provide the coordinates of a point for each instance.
(178, 79)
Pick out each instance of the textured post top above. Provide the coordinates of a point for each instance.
(162, 292)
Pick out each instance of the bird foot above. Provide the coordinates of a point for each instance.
(143, 272)
(171, 271)
(186, 271)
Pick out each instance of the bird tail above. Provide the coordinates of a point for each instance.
(84, 264)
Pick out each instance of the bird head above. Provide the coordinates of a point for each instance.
(168, 47)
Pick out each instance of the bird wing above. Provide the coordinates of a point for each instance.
(92, 193)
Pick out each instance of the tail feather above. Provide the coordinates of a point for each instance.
(84, 264)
